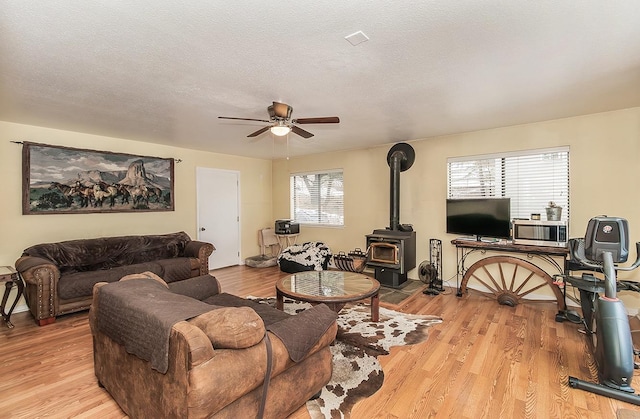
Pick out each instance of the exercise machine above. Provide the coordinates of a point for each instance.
(605, 245)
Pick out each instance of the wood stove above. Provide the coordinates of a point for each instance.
(392, 254)
(392, 251)
(383, 252)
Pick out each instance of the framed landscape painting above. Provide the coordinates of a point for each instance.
(64, 180)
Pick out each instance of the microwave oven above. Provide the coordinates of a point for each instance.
(540, 233)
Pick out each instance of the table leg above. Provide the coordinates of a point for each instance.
(7, 290)
(375, 307)
(279, 301)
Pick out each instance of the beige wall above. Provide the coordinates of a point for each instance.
(604, 159)
(605, 151)
(20, 231)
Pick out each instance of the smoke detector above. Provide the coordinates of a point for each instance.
(356, 38)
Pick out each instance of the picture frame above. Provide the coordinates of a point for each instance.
(66, 180)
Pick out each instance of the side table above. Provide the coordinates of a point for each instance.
(10, 277)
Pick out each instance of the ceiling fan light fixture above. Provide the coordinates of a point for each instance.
(280, 130)
(281, 124)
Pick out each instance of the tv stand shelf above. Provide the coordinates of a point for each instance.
(509, 285)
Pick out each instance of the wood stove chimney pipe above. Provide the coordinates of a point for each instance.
(400, 158)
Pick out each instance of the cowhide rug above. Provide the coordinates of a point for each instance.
(357, 374)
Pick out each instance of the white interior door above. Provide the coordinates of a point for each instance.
(218, 195)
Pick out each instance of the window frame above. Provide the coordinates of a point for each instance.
(318, 204)
(503, 181)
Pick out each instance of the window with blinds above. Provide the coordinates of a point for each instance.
(317, 198)
(531, 178)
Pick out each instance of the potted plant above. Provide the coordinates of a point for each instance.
(554, 212)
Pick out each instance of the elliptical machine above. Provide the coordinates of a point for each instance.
(606, 243)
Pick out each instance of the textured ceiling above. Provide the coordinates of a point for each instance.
(162, 71)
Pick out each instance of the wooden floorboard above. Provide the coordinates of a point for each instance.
(483, 361)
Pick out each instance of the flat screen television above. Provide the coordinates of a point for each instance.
(480, 217)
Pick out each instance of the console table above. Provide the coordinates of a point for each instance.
(500, 283)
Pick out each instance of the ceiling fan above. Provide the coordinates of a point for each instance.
(281, 123)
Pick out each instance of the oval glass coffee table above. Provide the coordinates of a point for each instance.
(333, 288)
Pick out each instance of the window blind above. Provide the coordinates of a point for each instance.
(317, 198)
(531, 178)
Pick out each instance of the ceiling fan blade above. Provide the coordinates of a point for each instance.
(260, 131)
(243, 119)
(301, 132)
(320, 120)
(282, 110)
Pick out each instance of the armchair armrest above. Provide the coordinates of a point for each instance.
(41, 278)
(197, 345)
(202, 251)
(28, 263)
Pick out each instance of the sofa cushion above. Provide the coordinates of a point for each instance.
(231, 327)
(80, 284)
(108, 252)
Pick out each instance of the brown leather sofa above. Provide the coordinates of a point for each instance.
(217, 361)
(59, 277)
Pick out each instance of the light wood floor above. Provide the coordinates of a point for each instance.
(483, 361)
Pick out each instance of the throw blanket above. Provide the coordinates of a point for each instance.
(301, 332)
(310, 256)
(110, 252)
(298, 333)
(139, 315)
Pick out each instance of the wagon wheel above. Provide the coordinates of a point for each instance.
(509, 280)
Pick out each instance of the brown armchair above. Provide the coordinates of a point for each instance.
(216, 361)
